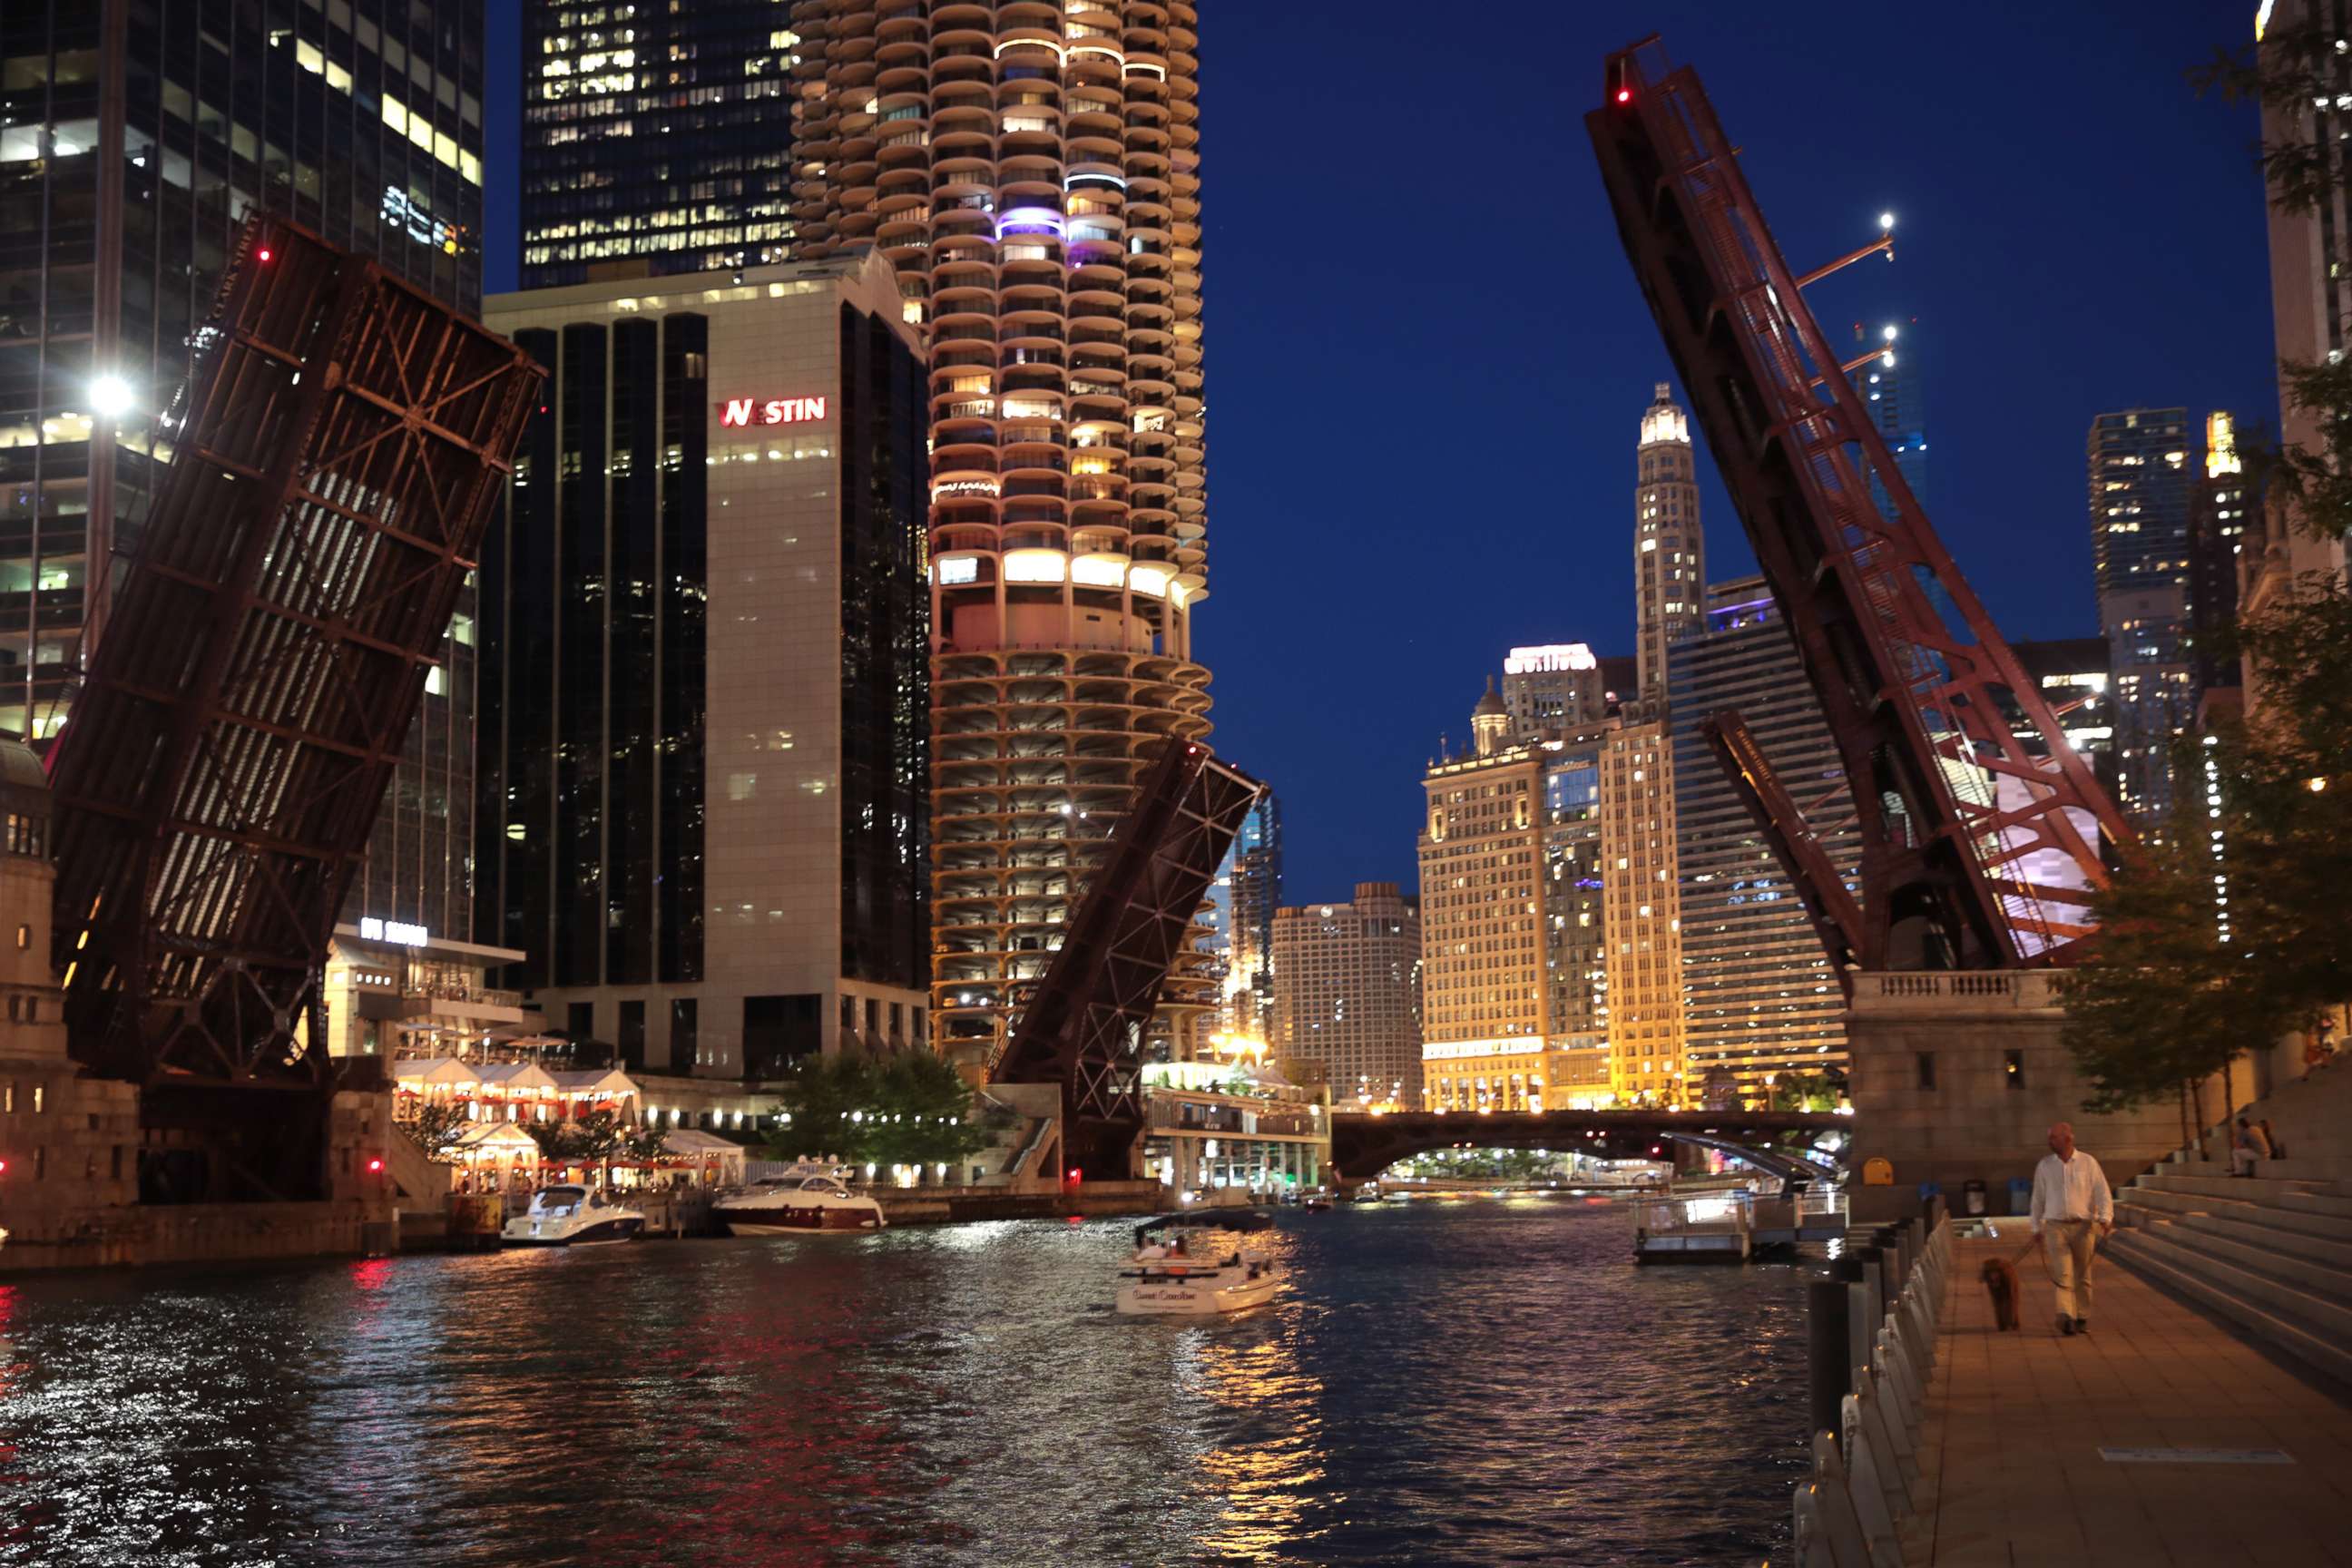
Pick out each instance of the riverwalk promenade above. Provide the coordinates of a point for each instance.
(2161, 1438)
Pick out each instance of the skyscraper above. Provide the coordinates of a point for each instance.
(1346, 996)
(1556, 687)
(1761, 999)
(2221, 510)
(1033, 174)
(1514, 987)
(2311, 310)
(1889, 385)
(1643, 911)
(2139, 494)
(1242, 900)
(133, 141)
(658, 139)
(702, 696)
(1669, 550)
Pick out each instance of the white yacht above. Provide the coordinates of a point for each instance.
(572, 1217)
(803, 1198)
(1198, 1264)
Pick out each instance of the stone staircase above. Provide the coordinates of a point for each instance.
(2271, 1252)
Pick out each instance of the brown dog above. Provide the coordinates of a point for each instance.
(2000, 1276)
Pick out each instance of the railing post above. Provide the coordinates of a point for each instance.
(1829, 1350)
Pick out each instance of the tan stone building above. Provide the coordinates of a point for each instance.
(1346, 996)
(1669, 550)
(1643, 912)
(1498, 926)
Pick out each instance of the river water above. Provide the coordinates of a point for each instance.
(1482, 1380)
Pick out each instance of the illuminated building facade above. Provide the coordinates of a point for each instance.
(1669, 550)
(702, 696)
(1240, 922)
(2139, 497)
(1552, 689)
(2072, 675)
(1760, 999)
(1643, 914)
(132, 143)
(657, 140)
(2221, 507)
(1346, 996)
(1032, 170)
(1514, 1003)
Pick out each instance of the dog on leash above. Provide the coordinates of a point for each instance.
(2000, 1276)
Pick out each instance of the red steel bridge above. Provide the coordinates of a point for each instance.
(1981, 833)
(334, 460)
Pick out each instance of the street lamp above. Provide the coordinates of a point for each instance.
(111, 397)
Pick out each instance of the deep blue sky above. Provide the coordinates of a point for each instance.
(1427, 356)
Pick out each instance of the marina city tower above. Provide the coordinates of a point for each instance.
(1032, 170)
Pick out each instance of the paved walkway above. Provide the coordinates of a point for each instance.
(2015, 1423)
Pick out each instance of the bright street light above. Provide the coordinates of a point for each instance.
(1886, 220)
(109, 397)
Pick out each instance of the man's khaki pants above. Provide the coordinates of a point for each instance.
(2074, 1245)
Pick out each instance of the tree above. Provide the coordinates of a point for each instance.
(905, 1107)
(923, 1109)
(437, 1127)
(2233, 933)
(558, 1141)
(2160, 1002)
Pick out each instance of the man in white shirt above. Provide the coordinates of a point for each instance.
(2071, 1209)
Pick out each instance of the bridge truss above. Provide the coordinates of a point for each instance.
(1083, 1027)
(333, 462)
(1981, 840)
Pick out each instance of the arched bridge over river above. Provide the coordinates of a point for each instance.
(1364, 1146)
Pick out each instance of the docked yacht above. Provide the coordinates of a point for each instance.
(1195, 1265)
(571, 1216)
(803, 1198)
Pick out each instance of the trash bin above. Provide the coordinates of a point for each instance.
(2020, 1194)
(1973, 1195)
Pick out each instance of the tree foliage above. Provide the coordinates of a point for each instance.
(908, 1107)
(437, 1127)
(2160, 1001)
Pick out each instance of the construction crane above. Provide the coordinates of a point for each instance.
(1082, 1027)
(1981, 840)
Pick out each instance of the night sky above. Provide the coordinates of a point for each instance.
(1427, 356)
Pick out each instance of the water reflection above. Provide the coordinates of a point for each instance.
(1459, 1384)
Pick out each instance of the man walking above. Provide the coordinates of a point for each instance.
(2071, 1209)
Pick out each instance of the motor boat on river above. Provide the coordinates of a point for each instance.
(1198, 1265)
(803, 1198)
(572, 1217)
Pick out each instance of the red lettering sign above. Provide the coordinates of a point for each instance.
(746, 411)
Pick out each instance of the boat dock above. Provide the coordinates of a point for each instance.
(1732, 1226)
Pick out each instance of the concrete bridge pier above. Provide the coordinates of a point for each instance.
(1956, 1076)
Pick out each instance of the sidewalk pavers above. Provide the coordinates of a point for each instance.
(2015, 1424)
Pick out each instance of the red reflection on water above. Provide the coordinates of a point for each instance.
(372, 1273)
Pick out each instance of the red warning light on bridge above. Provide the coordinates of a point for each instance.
(746, 411)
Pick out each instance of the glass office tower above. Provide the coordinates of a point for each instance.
(134, 137)
(659, 138)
